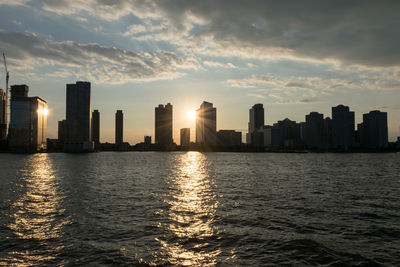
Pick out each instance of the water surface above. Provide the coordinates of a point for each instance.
(202, 209)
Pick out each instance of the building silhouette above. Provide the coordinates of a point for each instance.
(256, 123)
(185, 136)
(314, 131)
(3, 115)
(96, 126)
(343, 135)
(373, 130)
(229, 138)
(206, 124)
(147, 140)
(119, 127)
(78, 118)
(163, 125)
(62, 131)
(327, 133)
(28, 121)
(286, 134)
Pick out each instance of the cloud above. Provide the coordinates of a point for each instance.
(291, 102)
(215, 64)
(99, 63)
(363, 32)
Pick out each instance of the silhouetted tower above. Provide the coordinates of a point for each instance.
(119, 127)
(256, 122)
(185, 136)
(343, 136)
(206, 124)
(78, 114)
(62, 131)
(374, 130)
(163, 125)
(96, 126)
(3, 115)
(314, 130)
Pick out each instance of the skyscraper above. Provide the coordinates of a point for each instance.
(62, 131)
(163, 125)
(3, 114)
(96, 127)
(119, 127)
(256, 122)
(314, 130)
(78, 117)
(185, 136)
(206, 124)
(342, 127)
(28, 121)
(374, 130)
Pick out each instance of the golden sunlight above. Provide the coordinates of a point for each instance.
(191, 115)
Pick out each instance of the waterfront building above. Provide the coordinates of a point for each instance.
(62, 131)
(185, 136)
(96, 126)
(28, 121)
(374, 130)
(286, 134)
(256, 122)
(78, 118)
(343, 135)
(206, 124)
(3, 115)
(119, 127)
(327, 133)
(314, 130)
(147, 140)
(229, 138)
(163, 125)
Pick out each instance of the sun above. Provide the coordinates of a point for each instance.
(191, 115)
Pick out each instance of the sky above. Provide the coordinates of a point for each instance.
(294, 57)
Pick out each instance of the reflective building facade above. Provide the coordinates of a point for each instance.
(206, 124)
(28, 121)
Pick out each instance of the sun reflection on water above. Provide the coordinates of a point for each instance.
(191, 215)
(37, 216)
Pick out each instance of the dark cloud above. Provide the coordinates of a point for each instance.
(355, 32)
(362, 32)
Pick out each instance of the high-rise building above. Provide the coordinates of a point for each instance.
(286, 134)
(96, 126)
(374, 130)
(185, 136)
(163, 125)
(78, 118)
(206, 124)
(28, 121)
(229, 138)
(256, 122)
(119, 127)
(3, 115)
(343, 135)
(62, 131)
(314, 130)
(147, 140)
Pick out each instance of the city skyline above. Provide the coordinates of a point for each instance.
(137, 56)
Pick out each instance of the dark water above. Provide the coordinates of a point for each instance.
(226, 209)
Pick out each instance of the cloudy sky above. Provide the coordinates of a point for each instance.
(293, 56)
